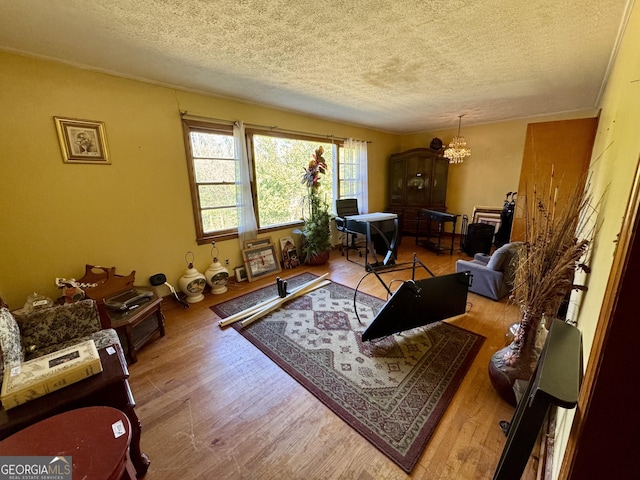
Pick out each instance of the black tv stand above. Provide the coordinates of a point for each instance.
(555, 381)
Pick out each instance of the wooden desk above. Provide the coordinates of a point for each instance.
(96, 438)
(440, 218)
(138, 326)
(109, 388)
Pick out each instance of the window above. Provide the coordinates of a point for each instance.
(353, 179)
(277, 165)
(347, 174)
(211, 153)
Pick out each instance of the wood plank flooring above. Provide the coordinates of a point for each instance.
(212, 406)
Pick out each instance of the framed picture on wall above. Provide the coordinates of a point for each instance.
(82, 141)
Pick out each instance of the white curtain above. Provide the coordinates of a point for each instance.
(247, 226)
(356, 152)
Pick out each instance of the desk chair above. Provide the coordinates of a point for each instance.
(344, 208)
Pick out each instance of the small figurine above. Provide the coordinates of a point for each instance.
(73, 290)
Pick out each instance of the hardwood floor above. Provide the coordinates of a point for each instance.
(213, 406)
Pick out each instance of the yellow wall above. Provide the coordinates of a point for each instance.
(134, 214)
(493, 169)
(614, 161)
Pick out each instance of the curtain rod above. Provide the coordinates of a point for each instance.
(188, 116)
(185, 114)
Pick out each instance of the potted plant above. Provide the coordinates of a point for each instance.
(316, 235)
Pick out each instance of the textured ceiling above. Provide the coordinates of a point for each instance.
(393, 65)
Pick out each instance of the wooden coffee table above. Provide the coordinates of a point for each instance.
(109, 388)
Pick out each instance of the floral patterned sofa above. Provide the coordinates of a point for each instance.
(25, 336)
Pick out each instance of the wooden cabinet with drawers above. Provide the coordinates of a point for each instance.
(417, 179)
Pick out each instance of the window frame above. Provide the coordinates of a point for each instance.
(339, 179)
(189, 126)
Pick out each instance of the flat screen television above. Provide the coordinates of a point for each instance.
(420, 303)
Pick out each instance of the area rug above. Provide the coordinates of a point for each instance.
(393, 391)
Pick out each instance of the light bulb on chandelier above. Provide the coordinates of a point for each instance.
(457, 150)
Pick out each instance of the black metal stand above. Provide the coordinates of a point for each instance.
(382, 268)
(377, 269)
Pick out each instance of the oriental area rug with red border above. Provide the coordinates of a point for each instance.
(393, 391)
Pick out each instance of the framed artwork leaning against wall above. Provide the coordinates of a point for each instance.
(261, 261)
(488, 215)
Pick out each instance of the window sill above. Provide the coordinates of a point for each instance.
(220, 237)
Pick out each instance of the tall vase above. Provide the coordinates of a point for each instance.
(518, 360)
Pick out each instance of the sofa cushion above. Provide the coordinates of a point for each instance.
(11, 352)
(52, 326)
(501, 257)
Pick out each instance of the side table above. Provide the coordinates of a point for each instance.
(96, 438)
(138, 326)
(440, 218)
(109, 388)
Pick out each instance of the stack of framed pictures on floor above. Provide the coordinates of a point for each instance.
(261, 258)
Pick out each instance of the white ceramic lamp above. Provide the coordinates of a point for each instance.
(192, 283)
(216, 274)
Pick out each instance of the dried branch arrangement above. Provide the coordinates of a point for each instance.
(557, 238)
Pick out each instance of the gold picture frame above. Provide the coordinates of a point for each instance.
(260, 261)
(82, 141)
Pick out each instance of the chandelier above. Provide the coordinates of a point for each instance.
(458, 149)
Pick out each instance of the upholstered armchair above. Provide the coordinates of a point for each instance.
(25, 336)
(492, 275)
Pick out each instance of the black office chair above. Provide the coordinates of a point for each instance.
(344, 208)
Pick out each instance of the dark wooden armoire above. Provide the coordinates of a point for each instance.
(417, 179)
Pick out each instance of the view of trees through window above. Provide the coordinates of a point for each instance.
(279, 166)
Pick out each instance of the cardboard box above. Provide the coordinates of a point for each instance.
(49, 373)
